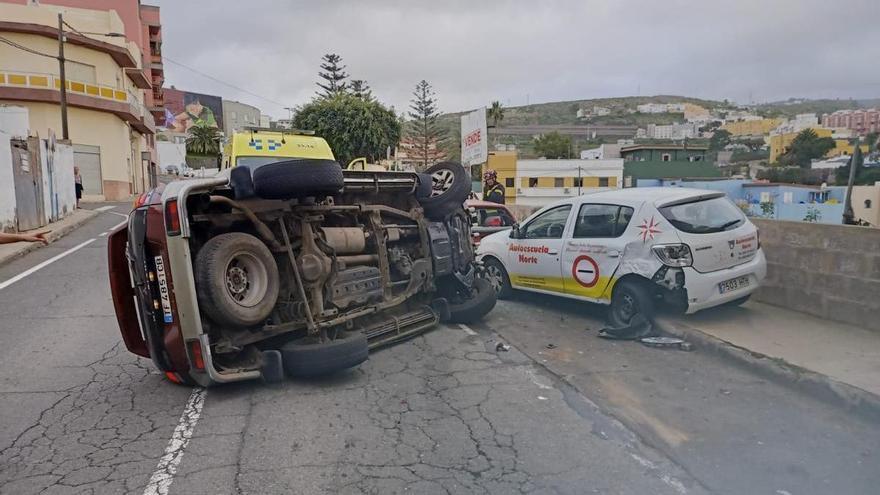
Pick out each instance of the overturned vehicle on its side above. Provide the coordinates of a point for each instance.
(294, 266)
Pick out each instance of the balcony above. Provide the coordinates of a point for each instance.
(46, 88)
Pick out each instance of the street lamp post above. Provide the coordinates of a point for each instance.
(64, 133)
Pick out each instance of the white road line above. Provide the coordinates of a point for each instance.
(105, 208)
(118, 214)
(466, 329)
(117, 225)
(102, 234)
(44, 264)
(162, 478)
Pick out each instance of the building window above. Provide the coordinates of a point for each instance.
(533, 182)
(508, 182)
(666, 157)
(558, 182)
(867, 203)
(578, 182)
(603, 181)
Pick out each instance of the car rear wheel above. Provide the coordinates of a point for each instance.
(497, 277)
(628, 299)
(450, 186)
(237, 280)
(309, 357)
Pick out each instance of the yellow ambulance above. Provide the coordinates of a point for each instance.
(255, 147)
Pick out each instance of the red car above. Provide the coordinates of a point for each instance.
(488, 218)
(295, 267)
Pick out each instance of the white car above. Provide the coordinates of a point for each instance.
(630, 248)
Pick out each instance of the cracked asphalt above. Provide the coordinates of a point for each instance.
(442, 413)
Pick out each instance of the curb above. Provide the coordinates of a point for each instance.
(817, 385)
(54, 235)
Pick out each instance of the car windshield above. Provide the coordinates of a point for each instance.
(704, 216)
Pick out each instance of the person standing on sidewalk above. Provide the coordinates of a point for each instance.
(37, 237)
(78, 184)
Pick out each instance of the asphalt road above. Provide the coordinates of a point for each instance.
(442, 413)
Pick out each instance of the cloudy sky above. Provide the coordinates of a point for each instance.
(474, 52)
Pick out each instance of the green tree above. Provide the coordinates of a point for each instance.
(553, 145)
(496, 113)
(334, 76)
(720, 138)
(203, 140)
(804, 148)
(360, 89)
(424, 130)
(354, 127)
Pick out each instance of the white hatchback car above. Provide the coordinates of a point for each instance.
(630, 248)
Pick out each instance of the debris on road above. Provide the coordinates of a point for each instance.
(666, 342)
(502, 347)
(550, 346)
(638, 327)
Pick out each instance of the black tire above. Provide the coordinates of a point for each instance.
(298, 179)
(737, 302)
(498, 278)
(450, 187)
(304, 357)
(633, 295)
(481, 302)
(236, 280)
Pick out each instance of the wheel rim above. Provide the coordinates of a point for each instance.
(495, 278)
(441, 181)
(246, 279)
(625, 308)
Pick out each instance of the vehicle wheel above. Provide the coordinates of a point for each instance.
(237, 280)
(241, 182)
(307, 357)
(627, 300)
(482, 301)
(498, 278)
(298, 179)
(738, 302)
(450, 186)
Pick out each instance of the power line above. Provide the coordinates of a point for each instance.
(282, 105)
(35, 52)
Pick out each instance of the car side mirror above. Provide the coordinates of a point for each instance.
(514, 231)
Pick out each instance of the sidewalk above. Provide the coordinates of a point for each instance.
(9, 252)
(845, 358)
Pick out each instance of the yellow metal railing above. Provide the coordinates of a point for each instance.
(50, 81)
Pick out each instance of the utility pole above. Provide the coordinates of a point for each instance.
(64, 133)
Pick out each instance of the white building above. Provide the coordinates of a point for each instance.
(672, 131)
(541, 182)
(604, 151)
(237, 116)
(661, 108)
(800, 122)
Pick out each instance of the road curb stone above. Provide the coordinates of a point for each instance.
(817, 385)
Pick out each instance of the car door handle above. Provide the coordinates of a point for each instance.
(553, 252)
(613, 254)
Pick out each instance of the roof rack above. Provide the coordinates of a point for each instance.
(304, 132)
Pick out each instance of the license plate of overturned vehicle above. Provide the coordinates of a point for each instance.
(294, 267)
(733, 284)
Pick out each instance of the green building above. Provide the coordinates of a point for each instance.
(663, 161)
(663, 153)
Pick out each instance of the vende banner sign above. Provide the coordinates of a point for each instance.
(474, 144)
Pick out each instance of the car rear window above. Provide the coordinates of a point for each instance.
(704, 216)
(494, 217)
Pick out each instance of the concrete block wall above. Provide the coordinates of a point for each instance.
(830, 271)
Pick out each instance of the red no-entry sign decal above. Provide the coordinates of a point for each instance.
(585, 271)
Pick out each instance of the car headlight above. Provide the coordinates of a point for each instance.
(674, 254)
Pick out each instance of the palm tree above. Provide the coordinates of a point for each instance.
(496, 112)
(203, 140)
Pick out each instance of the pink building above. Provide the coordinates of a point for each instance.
(862, 121)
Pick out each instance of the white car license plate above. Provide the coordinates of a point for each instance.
(733, 284)
(163, 290)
